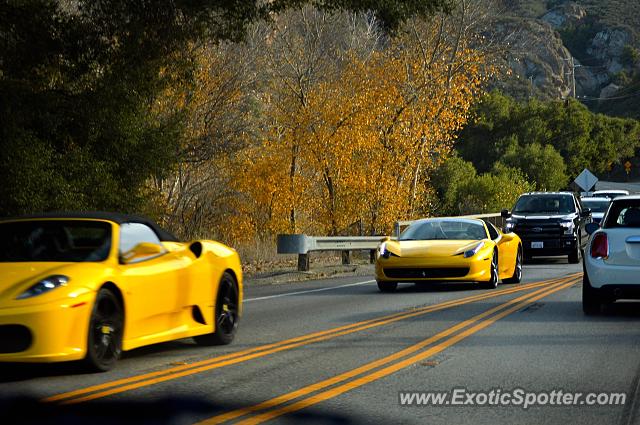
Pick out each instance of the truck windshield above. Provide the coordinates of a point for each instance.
(544, 204)
(54, 241)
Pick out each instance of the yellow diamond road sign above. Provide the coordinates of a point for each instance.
(586, 180)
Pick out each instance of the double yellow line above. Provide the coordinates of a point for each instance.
(139, 381)
(388, 365)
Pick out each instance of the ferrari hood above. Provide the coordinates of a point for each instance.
(17, 277)
(16, 273)
(437, 248)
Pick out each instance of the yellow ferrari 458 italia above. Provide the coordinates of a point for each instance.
(449, 249)
(86, 286)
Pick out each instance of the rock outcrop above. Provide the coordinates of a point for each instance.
(539, 59)
(564, 14)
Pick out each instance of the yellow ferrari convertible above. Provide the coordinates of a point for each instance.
(449, 249)
(86, 286)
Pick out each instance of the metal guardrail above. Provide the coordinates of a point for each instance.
(303, 245)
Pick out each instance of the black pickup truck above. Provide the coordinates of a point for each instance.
(549, 224)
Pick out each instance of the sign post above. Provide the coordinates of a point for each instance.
(586, 180)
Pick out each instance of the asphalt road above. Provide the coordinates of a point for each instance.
(338, 351)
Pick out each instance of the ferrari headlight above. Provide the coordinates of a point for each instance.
(383, 251)
(568, 227)
(45, 285)
(474, 251)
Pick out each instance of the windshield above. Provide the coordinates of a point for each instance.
(54, 241)
(596, 206)
(547, 204)
(447, 230)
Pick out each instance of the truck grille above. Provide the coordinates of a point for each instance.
(538, 230)
(426, 273)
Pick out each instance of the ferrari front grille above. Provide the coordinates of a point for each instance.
(14, 339)
(426, 273)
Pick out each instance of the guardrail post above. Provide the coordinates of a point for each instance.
(303, 262)
(346, 257)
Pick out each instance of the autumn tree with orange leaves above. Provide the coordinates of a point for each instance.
(348, 123)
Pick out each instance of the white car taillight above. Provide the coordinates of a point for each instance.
(600, 246)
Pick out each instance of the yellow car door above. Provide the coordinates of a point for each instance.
(507, 251)
(152, 278)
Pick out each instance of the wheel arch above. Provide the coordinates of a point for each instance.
(111, 286)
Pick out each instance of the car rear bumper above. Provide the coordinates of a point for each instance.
(46, 333)
(602, 274)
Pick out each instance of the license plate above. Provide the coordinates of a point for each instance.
(537, 245)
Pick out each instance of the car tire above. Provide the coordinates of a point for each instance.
(576, 255)
(225, 314)
(591, 303)
(106, 327)
(517, 270)
(494, 280)
(387, 287)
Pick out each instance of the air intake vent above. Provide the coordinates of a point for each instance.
(196, 248)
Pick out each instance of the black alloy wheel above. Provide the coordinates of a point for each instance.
(387, 287)
(226, 314)
(104, 345)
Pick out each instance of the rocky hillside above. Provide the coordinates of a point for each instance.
(595, 41)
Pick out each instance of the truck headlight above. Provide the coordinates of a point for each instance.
(568, 227)
(508, 226)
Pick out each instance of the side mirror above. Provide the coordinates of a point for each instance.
(508, 236)
(141, 251)
(591, 228)
(586, 212)
(505, 213)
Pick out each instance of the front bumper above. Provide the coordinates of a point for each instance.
(564, 245)
(455, 268)
(58, 331)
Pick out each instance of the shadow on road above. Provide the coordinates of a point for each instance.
(16, 372)
(159, 411)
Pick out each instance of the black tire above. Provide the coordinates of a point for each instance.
(106, 326)
(495, 277)
(387, 287)
(576, 255)
(226, 314)
(517, 270)
(591, 303)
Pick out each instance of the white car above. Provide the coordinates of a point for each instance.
(613, 193)
(612, 256)
(598, 207)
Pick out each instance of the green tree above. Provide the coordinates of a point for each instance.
(448, 178)
(582, 138)
(542, 165)
(491, 192)
(630, 56)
